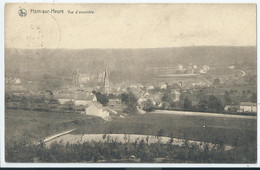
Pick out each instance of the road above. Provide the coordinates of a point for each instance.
(205, 114)
(243, 73)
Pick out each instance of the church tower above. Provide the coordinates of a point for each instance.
(106, 82)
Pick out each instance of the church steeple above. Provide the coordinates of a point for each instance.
(106, 82)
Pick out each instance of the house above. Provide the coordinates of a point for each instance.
(84, 78)
(150, 87)
(16, 89)
(164, 86)
(13, 80)
(202, 71)
(231, 67)
(156, 98)
(175, 94)
(139, 86)
(231, 108)
(84, 98)
(247, 107)
(20, 93)
(179, 67)
(96, 109)
(146, 94)
(141, 102)
(205, 67)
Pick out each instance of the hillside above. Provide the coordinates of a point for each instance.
(122, 63)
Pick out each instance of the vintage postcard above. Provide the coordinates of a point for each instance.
(130, 83)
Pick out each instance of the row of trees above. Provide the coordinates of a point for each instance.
(205, 103)
(139, 151)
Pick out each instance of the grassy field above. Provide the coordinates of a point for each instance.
(208, 129)
(32, 125)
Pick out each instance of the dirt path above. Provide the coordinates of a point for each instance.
(128, 138)
(57, 135)
(172, 112)
(243, 73)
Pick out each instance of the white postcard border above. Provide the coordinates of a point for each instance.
(159, 165)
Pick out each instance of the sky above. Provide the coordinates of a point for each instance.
(130, 26)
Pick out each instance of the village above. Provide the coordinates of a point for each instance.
(181, 88)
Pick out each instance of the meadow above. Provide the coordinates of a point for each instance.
(27, 126)
(207, 129)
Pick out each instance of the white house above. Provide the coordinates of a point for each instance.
(231, 67)
(248, 107)
(205, 67)
(180, 67)
(17, 81)
(176, 95)
(150, 87)
(96, 109)
(141, 102)
(164, 86)
(203, 71)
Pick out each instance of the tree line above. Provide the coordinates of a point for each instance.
(139, 151)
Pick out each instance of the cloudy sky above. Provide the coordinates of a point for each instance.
(131, 26)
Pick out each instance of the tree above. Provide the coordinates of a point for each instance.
(215, 104)
(167, 98)
(227, 98)
(111, 96)
(216, 81)
(160, 133)
(171, 139)
(124, 98)
(101, 98)
(253, 97)
(131, 101)
(149, 105)
(203, 104)
(187, 104)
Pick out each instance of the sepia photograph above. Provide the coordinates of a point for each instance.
(130, 83)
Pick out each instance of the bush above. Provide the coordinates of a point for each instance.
(111, 149)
